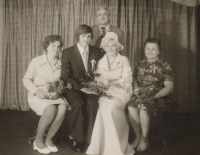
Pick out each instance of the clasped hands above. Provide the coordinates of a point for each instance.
(137, 90)
(40, 94)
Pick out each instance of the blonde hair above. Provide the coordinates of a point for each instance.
(105, 43)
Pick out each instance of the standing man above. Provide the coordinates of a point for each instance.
(100, 30)
(78, 63)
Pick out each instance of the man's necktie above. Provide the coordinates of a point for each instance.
(103, 32)
(85, 59)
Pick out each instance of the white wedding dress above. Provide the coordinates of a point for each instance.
(110, 133)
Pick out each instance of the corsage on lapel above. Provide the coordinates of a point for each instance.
(118, 62)
(69, 86)
(93, 64)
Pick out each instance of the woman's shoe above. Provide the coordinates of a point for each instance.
(43, 151)
(52, 148)
(135, 143)
(143, 146)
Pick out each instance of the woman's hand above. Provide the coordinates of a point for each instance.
(42, 95)
(153, 98)
(136, 91)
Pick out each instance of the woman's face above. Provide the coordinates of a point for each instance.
(54, 48)
(151, 51)
(111, 48)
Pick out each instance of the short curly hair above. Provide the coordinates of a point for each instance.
(51, 39)
(153, 40)
(105, 43)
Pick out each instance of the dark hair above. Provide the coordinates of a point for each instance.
(153, 40)
(83, 29)
(51, 39)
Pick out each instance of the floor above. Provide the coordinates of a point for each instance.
(17, 126)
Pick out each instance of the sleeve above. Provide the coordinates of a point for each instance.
(28, 79)
(168, 73)
(67, 74)
(126, 80)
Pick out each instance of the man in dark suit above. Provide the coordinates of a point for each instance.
(78, 63)
(99, 31)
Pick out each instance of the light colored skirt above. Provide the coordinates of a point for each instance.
(38, 105)
(110, 133)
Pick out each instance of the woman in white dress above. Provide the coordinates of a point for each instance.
(110, 133)
(43, 72)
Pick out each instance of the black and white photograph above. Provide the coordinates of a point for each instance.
(100, 77)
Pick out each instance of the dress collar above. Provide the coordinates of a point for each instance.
(43, 59)
(104, 64)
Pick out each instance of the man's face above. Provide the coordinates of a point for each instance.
(84, 39)
(103, 17)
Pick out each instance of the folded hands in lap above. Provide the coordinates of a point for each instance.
(42, 95)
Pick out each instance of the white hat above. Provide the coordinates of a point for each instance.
(108, 37)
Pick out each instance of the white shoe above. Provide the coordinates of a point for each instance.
(52, 148)
(43, 151)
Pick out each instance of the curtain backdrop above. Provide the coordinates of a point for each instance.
(188, 2)
(28, 22)
(2, 15)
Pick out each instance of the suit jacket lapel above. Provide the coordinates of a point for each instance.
(96, 32)
(89, 59)
(76, 56)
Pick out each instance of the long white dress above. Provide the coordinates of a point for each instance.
(110, 133)
(38, 75)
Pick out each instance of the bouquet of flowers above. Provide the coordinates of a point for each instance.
(94, 85)
(55, 90)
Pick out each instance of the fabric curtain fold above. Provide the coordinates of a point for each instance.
(2, 17)
(28, 22)
(187, 2)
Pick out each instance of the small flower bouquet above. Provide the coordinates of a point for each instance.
(55, 90)
(93, 86)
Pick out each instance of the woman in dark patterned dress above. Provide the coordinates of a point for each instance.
(152, 84)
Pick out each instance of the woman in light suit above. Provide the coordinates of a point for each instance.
(43, 73)
(110, 133)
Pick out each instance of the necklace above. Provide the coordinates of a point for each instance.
(110, 63)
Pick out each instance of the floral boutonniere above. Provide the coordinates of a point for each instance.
(93, 61)
(69, 86)
(117, 64)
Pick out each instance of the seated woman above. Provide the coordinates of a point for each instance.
(110, 132)
(41, 78)
(152, 82)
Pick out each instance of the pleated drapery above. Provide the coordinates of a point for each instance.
(29, 21)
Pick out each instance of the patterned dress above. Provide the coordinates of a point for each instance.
(150, 77)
